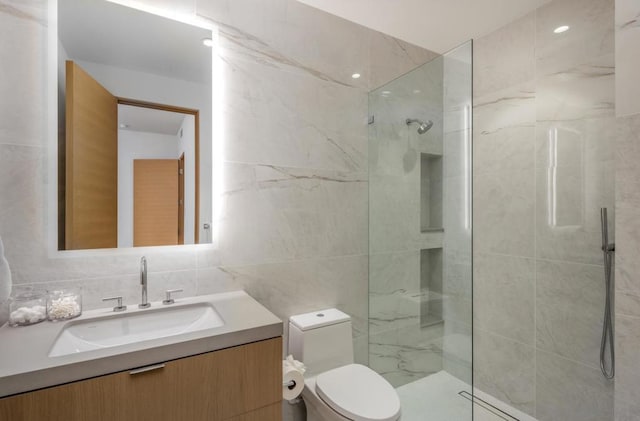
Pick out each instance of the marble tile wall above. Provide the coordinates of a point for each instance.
(545, 129)
(627, 58)
(627, 269)
(294, 225)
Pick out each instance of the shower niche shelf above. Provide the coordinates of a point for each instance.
(430, 287)
(431, 193)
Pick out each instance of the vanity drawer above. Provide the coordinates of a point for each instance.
(242, 383)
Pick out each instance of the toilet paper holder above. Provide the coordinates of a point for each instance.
(290, 384)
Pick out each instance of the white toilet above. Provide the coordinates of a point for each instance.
(336, 389)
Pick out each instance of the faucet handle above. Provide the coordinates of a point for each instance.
(170, 300)
(119, 307)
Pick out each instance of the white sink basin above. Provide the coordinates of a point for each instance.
(130, 327)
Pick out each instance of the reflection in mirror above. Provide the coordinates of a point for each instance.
(134, 138)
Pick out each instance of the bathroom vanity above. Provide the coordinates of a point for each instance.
(232, 371)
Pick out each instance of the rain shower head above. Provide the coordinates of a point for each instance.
(422, 126)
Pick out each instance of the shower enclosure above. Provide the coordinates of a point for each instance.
(420, 286)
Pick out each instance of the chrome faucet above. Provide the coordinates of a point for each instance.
(143, 282)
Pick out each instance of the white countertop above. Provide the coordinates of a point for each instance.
(25, 364)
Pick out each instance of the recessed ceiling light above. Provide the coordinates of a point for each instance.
(123, 126)
(207, 42)
(561, 29)
(356, 75)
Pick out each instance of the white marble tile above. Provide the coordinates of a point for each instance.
(505, 285)
(590, 34)
(23, 83)
(127, 286)
(568, 391)
(575, 69)
(407, 354)
(277, 214)
(627, 153)
(569, 310)
(504, 130)
(575, 178)
(504, 213)
(281, 32)
(505, 369)
(394, 290)
(505, 58)
(289, 288)
(627, 40)
(390, 58)
(627, 303)
(627, 368)
(294, 120)
(212, 280)
(585, 91)
(626, 411)
(21, 208)
(627, 265)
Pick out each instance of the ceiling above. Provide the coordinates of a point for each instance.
(103, 32)
(140, 119)
(438, 25)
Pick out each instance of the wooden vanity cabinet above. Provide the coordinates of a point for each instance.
(243, 383)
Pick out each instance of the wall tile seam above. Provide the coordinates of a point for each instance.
(501, 336)
(569, 262)
(363, 173)
(581, 364)
(511, 256)
(626, 291)
(23, 145)
(535, 222)
(631, 114)
(628, 317)
(505, 336)
(105, 277)
(626, 206)
(415, 249)
(287, 261)
(595, 365)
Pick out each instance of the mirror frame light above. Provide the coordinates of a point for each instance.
(217, 133)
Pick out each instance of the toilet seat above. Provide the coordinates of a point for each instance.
(358, 393)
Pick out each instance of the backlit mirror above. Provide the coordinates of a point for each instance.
(134, 128)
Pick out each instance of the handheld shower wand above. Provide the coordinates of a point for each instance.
(607, 327)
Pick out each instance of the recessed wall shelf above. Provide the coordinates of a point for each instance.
(430, 287)
(430, 193)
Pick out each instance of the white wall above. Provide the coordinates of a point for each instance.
(186, 145)
(136, 145)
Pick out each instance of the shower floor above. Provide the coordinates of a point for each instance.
(443, 397)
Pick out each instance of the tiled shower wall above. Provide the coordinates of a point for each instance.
(627, 308)
(544, 135)
(294, 227)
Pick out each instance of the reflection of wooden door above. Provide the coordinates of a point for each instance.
(91, 192)
(181, 199)
(155, 202)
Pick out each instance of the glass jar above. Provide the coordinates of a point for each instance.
(64, 304)
(27, 308)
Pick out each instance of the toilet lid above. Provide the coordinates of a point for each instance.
(358, 393)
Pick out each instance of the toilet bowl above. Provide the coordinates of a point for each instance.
(336, 389)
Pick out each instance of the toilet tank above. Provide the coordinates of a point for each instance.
(322, 340)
